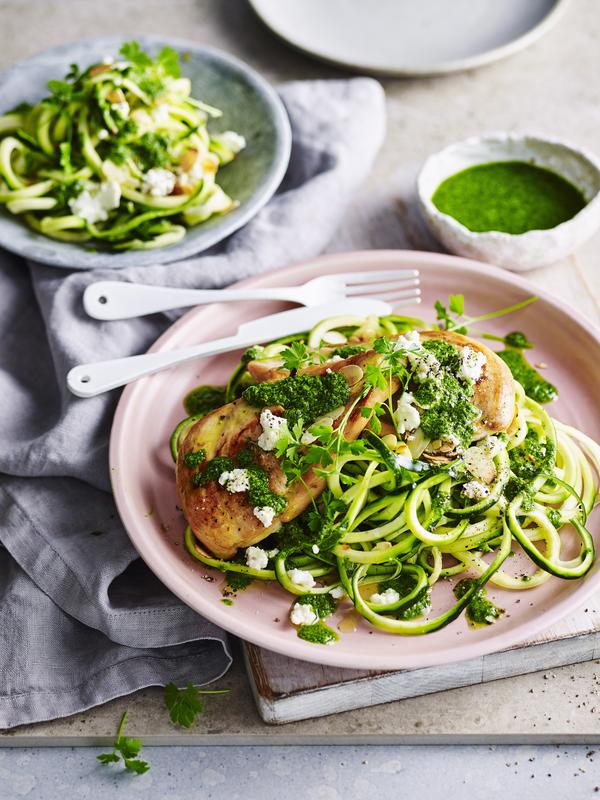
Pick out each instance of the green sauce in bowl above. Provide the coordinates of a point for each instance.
(509, 196)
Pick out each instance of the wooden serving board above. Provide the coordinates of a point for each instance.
(287, 690)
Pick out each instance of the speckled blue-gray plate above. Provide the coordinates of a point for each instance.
(249, 104)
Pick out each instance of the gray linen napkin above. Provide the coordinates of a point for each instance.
(82, 620)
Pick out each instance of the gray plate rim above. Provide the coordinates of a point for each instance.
(186, 248)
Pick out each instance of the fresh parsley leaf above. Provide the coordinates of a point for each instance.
(169, 61)
(134, 53)
(374, 377)
(73, 74)
(126, 749)
(108, 758)
(184, 705)
(62, 92)
(295, 356)
(456, 304)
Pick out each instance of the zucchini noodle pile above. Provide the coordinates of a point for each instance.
(391, 525)
(118, 155)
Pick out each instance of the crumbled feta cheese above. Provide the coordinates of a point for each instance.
(315, 549)
(272, 553)
(103, 134)
(425, 365)
(408, 341)
(471, 364)
(231, 140)
(480, 464)
(406, 415)
(337, 592)
(94, 203)
(303, 614)
(265, 514)
(121, 108)
(158, 182)
(301, 577)
(256, 558)
(385, 598)
(161, 115)
(203, 165)
(109, 195)
(108, 60)
(235, 481)
(336, 358)
(403, 461)
(274, 429)
(475, 490)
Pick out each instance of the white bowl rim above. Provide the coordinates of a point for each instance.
(457, 227)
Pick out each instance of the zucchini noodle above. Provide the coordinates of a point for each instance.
(393, 523)
(118, 155)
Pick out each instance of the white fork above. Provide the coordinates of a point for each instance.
(110, 300)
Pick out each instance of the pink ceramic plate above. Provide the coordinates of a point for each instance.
(144, 485)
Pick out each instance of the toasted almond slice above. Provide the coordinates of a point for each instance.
(352, 373)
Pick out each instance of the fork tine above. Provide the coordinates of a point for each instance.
(353, 278)
(389, 286)
(408, 296)
(409, 302)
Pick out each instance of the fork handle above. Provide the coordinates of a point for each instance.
(88, 380)
(110, 300)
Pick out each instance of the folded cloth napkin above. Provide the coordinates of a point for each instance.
(82, 620)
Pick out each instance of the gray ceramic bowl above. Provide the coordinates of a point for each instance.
(249, 104)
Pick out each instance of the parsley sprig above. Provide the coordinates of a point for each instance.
(296, 356)
(126, 749)
(184, 705)
(452, 317)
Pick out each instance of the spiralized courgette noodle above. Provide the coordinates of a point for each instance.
(118, 155)
(416, 522)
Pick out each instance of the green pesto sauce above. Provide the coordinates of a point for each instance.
(259, 493)
(204, 399)
(518, 340)
(480, 611)
(226, 601)
(302, 396)
(319, 633)
(509, 196)
(448, 410)
(404, 584)
(236, 581)
(535, 386)
(555, 518)
(532, 457)
(194, 458)
(310, 528)
(323, 604)
(212, 470)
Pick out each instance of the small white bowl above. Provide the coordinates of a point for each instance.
(524, 251)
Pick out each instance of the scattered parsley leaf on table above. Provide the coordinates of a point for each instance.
(185, 704)
(126, 749)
